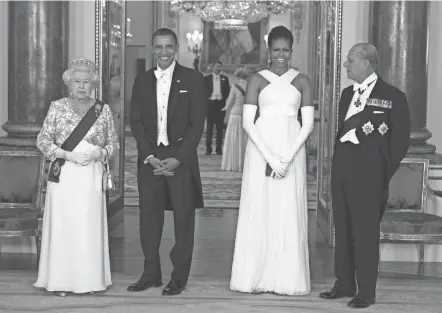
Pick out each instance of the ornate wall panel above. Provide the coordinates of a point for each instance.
(329, 34)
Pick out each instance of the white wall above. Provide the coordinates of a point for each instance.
(82, 30)
(434, 97)
(355, 22)
(3, 65)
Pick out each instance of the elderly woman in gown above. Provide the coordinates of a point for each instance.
(74, 252)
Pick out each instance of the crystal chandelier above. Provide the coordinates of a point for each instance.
(232, 14)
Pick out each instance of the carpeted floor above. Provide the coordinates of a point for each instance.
(221, 189)
(394, 296)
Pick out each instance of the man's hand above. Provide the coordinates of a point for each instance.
(155, 163)
(168, 167)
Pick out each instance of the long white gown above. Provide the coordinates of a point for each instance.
(74, 248)
(235, 138)
(271, 247)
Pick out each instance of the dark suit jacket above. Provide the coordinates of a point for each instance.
(394, 144)
(225, 86)
(186, 115)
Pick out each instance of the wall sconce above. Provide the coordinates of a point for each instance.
(128, 33)
(116, 34)
(194, 41)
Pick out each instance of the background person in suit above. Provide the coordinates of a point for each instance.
(167, 120)
(373, 137)
(218, 89)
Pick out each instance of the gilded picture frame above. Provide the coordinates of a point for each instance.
(110, 50)
(328, 46)
(26, 173)
(408, 189)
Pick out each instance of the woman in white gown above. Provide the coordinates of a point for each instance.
(235, 138)
(271, 247)
(74, 253)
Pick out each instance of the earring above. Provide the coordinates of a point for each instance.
(269, 61)
(290, 63)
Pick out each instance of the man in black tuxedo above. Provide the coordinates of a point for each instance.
(167, 120)
(218, 89)
(373, 137)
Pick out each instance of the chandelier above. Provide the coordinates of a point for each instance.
(232, 14)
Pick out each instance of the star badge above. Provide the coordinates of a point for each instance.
(368, 128)
(383, 128)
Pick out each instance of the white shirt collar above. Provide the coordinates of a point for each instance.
(371, 78)
(167, 71)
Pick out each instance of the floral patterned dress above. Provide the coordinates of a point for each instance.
(74, 253)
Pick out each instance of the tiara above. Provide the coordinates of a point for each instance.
(82, 63)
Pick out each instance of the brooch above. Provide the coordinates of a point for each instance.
(368, 128)
(97, 109)
(383, 128)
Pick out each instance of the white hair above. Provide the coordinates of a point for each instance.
(68, 75)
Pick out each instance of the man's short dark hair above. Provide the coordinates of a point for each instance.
(164, 32)
(219, 62)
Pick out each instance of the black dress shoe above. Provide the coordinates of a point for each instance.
(143, 285)
(208, 152)
(335, 293)
(360, 303)
(219, 152)
(173, 288)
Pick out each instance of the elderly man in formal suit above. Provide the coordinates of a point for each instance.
(167, 120)
(218, 89)
(373, 137)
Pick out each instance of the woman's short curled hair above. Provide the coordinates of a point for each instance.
(83, 65)
(280, 32)
(242, 73)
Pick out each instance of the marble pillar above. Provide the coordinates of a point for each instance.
(37, 57)
(400, 33)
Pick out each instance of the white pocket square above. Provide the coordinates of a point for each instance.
(182, 91)
(378, 112)
(350, 136)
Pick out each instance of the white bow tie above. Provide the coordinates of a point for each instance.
(357, 86)
(362, 86)
(160, 73)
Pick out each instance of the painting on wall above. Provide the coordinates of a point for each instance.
(235, 48)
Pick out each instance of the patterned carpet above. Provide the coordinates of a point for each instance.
(221, 189)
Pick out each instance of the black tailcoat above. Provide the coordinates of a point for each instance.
(360, 177)
(186, 114)
(215, 115)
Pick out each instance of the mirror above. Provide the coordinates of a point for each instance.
(328, 46)
(110, 41)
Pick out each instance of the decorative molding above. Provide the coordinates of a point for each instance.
(98, 44)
